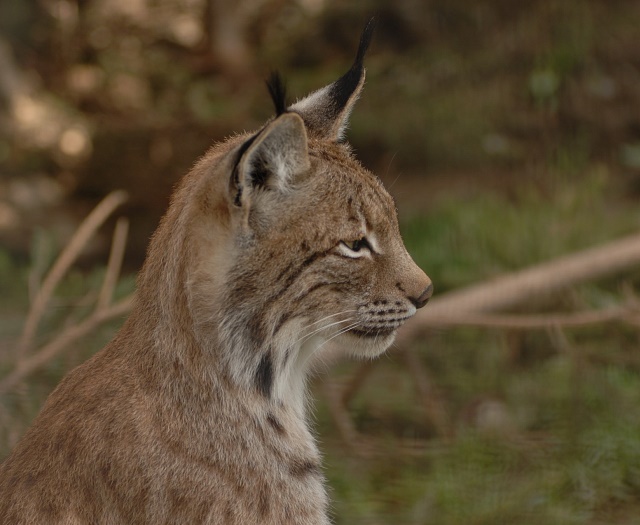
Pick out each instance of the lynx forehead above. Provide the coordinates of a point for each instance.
(277, 248)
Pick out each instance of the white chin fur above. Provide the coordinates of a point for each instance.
(349, 345)
(366, 347)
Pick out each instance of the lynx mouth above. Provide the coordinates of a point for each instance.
(374, 332)
(373, 328)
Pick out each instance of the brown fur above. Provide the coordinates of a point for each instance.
(195, 412)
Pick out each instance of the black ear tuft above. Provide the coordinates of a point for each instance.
(346, 85)
(325, 112)
(365, 40)
(278, 93)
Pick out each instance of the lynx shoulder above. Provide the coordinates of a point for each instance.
(276, 243)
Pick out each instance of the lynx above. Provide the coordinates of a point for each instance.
(275, 244)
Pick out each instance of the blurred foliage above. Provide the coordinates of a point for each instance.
(464, 239)
(111, 93)
(509, 134)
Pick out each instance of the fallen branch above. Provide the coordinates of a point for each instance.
(623, 314)
(517, 288)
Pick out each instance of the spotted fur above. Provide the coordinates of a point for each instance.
(276, 247)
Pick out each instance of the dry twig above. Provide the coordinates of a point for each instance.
(341, 418)
(114, 265)
(432, 402)
(64, 261)
(52, 349)
(103, 311)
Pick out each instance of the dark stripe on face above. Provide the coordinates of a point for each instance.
(285, 271)
(297, 310)
(294, 311)
(312, 289)
(293, 276)
(283, 319)
(264, 375)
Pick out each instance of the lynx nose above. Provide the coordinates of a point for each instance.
(424, 297)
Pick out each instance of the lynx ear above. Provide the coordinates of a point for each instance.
(326, 111)
(271, 159)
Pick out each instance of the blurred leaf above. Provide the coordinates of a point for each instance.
(630, 155)
(543, 85)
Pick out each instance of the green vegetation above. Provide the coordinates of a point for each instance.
(462, 238)
(566, 450)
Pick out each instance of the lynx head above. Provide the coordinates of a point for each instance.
(293, 244)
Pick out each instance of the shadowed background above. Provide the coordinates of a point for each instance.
(509, 134)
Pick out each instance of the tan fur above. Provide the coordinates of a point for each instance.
(195, 412)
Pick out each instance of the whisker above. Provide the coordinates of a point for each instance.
(306, 337)
(338, 333)
(324, 319)
(389, 167)
(329, 316)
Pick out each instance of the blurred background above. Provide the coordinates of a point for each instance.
(509, 134)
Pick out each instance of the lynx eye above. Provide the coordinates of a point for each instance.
(354, 246)
(358, 245)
